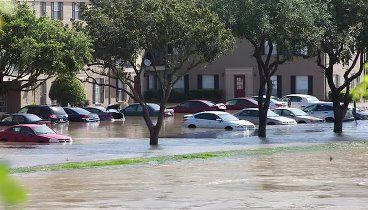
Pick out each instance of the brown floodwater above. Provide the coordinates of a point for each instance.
(304, 180)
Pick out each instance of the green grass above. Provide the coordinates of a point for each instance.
(207, 155)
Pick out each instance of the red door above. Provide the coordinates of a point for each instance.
(239, 86)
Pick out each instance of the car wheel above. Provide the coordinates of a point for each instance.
(271, 123)
(228, 128)
(329, 119)
(301, 122)
(191, 126)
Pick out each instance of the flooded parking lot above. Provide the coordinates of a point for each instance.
(306, 180)
(128, 139)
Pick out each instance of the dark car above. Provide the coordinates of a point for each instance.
(101, 112)
(115, 110)
(241, 103)
(76, 114)
(54, 114)
(194, 106)
(21, 118)
(137, 110)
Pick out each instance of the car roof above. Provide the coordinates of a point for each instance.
(212, 112)
(28, 125)
(301, 95)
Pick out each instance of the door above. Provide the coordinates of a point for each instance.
(239, 86)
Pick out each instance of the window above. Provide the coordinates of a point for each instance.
(3, 103)
(274, 85)
(43, 93)
(179, 86)
(76, 13)
(120, 94)
(57, 10)
(208, 82)
(301, 84)
(336, 80)
(267, 48)
(43, 11)
(98, 91)
(151, 80)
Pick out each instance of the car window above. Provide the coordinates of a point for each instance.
(323, 107)
(26, 131)
(285, 112)
(198, 104)
(251, 113)
(131, 108)
(57, 110)
(19, 119)
(7, 119)
(186, 104)
(79, 110)
(43, 130)
(228, 117)
(296, 99)
(16, 129)
(23, 110)
(140, 108)
(69, 111)
(309, 108)
(32, 118)
(278, 111)
(231, 102)
(206, 116)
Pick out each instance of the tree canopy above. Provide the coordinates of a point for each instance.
(32, 46)
(68, 90)
(132, 34)
(278, 30)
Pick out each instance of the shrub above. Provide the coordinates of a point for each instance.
(68, 90)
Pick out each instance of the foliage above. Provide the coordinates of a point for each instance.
(32, 46)
(134, 31)
(68, 90)
(11, 192)
(341, 96)
(278, 30)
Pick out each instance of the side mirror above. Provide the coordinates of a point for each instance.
(293, 115)
(219, 120)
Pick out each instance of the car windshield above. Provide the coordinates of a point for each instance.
(209, 103)
(276, 99)
(80, 110)
(58, 110)
(33, 118)
(228, 117)
(271, 114)
(312, 99)
(298, 112)
(154, 106)
(43, 130)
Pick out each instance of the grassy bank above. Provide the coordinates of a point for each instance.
(207, 155)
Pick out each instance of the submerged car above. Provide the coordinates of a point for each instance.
(54, 114)
(274, 102)
(21, 118)
(300, 101)
(137, 110)
(33, 133)
(252, 115)
(241, 103)
(216, 119)
(194, 106)
(298, 115)
(76, 114)
(324, 110)
(101, 112)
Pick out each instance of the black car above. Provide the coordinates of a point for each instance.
(115, 111)
(76, 114)
(21, 118)
(54, 114)
(101, 111)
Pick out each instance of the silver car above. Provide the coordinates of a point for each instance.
(298, 115)
(252, 115)
(324, 110)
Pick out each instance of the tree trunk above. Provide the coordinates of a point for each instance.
(154, 133)
(338, 113)
(262, 121)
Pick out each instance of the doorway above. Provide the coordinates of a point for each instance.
(239, 86)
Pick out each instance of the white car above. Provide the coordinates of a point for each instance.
(274, 102)
(216, 119)
(252, 115)
(298, 115)
(324, 110)
(300, 101)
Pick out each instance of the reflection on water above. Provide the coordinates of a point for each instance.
(283, 181)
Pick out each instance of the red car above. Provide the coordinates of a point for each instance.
(194, 106)
(32, 133)
(241, 103)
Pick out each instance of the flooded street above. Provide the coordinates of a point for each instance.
(304, 180)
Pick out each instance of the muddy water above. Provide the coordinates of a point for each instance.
(284, 181)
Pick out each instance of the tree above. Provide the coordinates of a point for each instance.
(68, 90)
(32, 47)
(344, 45)
(135, 31)
(293, 26)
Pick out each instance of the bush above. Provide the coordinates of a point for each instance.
(68, 90)
(341, 97)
